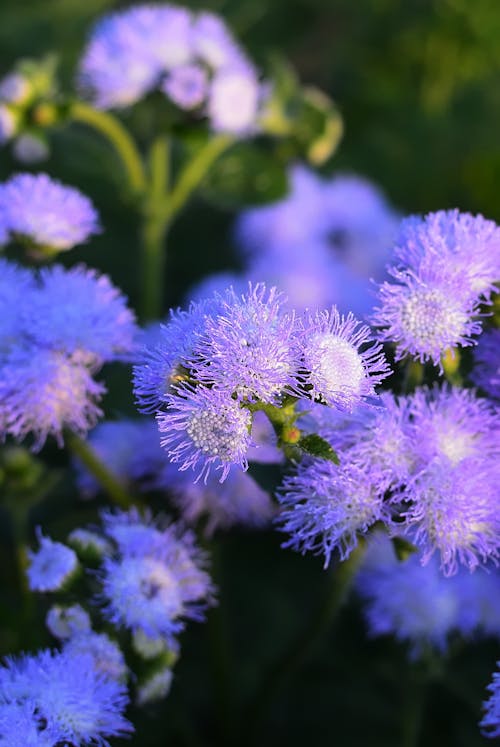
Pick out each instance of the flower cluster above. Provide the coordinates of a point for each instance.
(58, 328)
(445, 267)
(191, 57)
(491, 719)
(429, 460)
(322, 243)
(231, 355)
(45, 214)
(420, 606)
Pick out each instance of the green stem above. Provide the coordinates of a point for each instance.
(301, 648)
(105, 477)
(118, 136)
(161, 206)
(413, 710)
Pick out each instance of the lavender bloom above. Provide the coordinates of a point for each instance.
(85, 541)
(325, 507)
(42, 392)
(216, 283)
(453, 424)
(486, 372)
(129, 50)
(46, 213)
(108, 657)
(233, 101)
(157, 581)
(82, 313)
(454, 509)
(249, 343)
(265, 450)
(187, 86)
(8, 124)
(340, 364)
(22, 726)
(51, 566)
(238, 501)
(466, 246)
(156, 687)
(426, 313)
(205, 428)
(214, 44)
(490, 723)
(72, 700)
(15, 88)
(418, 604)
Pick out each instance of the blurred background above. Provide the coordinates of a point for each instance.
(418, 85)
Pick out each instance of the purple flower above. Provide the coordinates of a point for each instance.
(187, 86)
(325, 507)
(247, 347)
(234, 100)
(66, 693)
(454, 509)
(43, 392)
(82, 313)
(46, 213)
(426, 313)
(51, 566)
(339, 361)
(205, 428)
(214, 44)
(486, 371)
(16, 290)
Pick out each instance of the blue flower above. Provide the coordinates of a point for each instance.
(186, 86)
(107, 655)
(234, 100)
(46, 213)
(204, 428)
(339, 363)
(325, 507)
(71, 700)
(43, 392)
(82, 313)
(51, 566)
(490, 723)
(65, 622)
(16, 289)
(247, 347)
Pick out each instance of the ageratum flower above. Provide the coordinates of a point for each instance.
(204, 428)
(108, 657)
(490, 723)
(339, 362)
(464, 245)
(186, 86)
(82, 313)
(453, 424)
(486, 371)
(169, 351)
(65, 622)
(46, 213)
(68, 698)
(326, 507)
(129, 50)
(21, 725)
(247, 347)
(234, 99)
(426, 312)
(454, 509)
(42, 392)
(153, 586)
(51, 566)
(16, 289)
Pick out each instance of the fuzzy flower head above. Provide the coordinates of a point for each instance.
(108, 657)
(425, 314)
(75, 702)
(234, 101)
(16, 290)
(325, 507)
(46, 213)
(186, 86)
(51, 566)
(486, 372)
(490, 723)
(247, 346)
(454, 510)
(464, 245)
(415, 603)
(42, 392)
(341, 363)
(82, 313)
(65, 622)
(205, 428)
(453, 424)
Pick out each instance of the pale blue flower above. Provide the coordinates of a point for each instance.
(51, 567)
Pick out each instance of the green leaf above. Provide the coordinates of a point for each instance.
(246, 175)
(318, 126)
(403, 548)
(318, 447)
